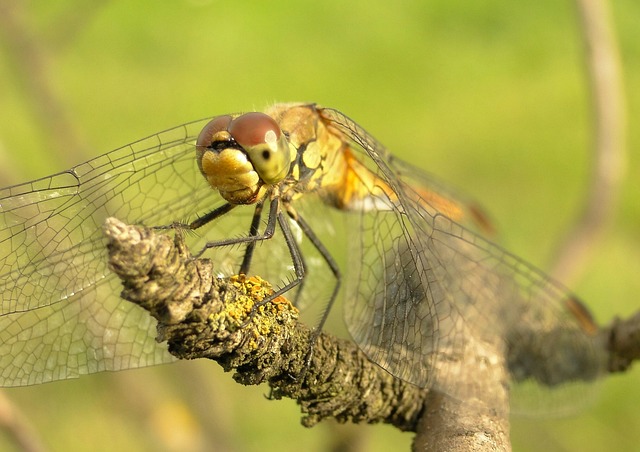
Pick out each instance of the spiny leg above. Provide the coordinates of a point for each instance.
(207, 218)
(296, 257)
(300, 288)
(253, 232)
(266, 235)
(201, 221)
(333, 266)
(326, 255)
(275, 217)
(294, 251)
(300, 267)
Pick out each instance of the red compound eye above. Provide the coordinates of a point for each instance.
(218, 124)
(252, 129)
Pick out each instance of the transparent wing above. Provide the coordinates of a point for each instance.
(61, 315)
(427, 291)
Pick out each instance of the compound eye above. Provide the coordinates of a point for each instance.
(212, 132)
(252, 129)
(265, 144)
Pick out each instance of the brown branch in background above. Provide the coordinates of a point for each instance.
(609, 124)
(66, 29)
(31, 51)
(624, 343)
(453, 426)
(17, 427)
(31, 66)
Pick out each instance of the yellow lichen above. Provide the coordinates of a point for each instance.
(246, 308)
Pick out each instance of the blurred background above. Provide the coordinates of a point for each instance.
(491, 97)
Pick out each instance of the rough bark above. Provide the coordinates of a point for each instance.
(226, 319)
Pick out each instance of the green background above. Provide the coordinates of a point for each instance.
(491, 97)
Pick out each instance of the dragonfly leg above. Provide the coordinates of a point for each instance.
(275, 215)
(266, 235)
(333, 266)
(326, 255)
(253, 232)
(295, 253)
(300, 288)
(200, 221)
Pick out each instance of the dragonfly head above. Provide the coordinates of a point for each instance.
(239, 156)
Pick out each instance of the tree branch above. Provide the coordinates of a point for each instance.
(17, 427)
(603, 68)
(202, 316)
(30, 63)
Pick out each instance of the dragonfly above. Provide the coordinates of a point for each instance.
(423, 281)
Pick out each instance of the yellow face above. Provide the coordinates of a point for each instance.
(239, 156)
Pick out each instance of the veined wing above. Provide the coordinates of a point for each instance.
(428, 289)
(61, 315)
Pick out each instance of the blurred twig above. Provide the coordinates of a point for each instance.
(16, 426)
(602, 65)
(66, 29)
(31, 51)
(31, 65)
